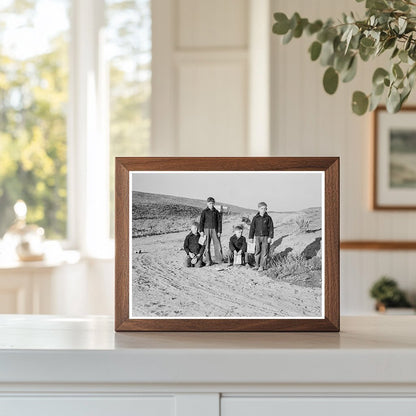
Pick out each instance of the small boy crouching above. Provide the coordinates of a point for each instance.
(193, 249)
(237, 246)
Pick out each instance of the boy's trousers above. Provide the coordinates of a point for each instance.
(188, 262)
(261, 251)
(244, 257)
(212, 236)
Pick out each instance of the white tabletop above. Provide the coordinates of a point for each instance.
(86, 349)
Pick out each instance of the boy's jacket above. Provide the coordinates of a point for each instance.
(191, 244)
(238, 244)
(210, 219)
(261, 226)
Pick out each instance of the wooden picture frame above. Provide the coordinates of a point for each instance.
(385, 196)
(329, 168)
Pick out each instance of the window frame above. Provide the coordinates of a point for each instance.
(87, 133)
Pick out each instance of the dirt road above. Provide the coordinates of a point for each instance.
(162, 286)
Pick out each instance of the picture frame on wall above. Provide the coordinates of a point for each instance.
(227, 244)
(394, 159)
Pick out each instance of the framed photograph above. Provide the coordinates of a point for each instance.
(227, 244)
(394, 179)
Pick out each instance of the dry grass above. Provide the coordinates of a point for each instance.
(303, 223)
(296, 269)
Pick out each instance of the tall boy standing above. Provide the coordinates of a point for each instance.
(262, 229)
(210, 225)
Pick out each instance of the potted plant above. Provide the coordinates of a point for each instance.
(387, 294)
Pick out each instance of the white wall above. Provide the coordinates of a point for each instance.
(201, 81)
(211, 92)
(308, 122)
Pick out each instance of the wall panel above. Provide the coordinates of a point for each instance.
(308, 122)
(211, 122)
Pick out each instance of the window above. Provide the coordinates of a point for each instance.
(129, 43)
(33, 102)
(75, 88)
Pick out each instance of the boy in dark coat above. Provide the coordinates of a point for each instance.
(210, 225)
(193, 249)
(262, 230)
(237, 246)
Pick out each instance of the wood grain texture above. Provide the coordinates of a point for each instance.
(376, 204)
(330, 165)
(378, 245)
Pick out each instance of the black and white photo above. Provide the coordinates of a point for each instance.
(227, 244)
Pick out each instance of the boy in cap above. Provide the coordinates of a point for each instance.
(237, 246)
(193, 249)
(210, 225)
(262, 230)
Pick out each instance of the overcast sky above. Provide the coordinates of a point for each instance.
(282, 191)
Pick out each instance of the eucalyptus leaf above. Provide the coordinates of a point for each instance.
(351, 70)
(397, 71)
(281, 26)
(376, 4)
(404, 95)
(411, 78)
(298, 30)
(366, 53)
(389, 43)
(315, 50)
(327, 53)
(367, 42)
(378, 89)
(359, 103)
(374, 102)
(288, 37)
(294, 20)
(393, 101)
(379, 75)
(322, 35)
(408, 42)
(402, 23)
(395, 52)
(341, 62)
(314, 27)
(403, 56)
(330, 80)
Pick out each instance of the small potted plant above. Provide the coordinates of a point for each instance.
(387, 294)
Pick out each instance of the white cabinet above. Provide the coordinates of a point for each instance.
(80, 366)
(268, 406)
(87, 406)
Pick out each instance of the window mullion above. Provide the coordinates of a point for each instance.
(88, 137)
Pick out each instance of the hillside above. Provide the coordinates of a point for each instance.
(154, 214)
(146, 197)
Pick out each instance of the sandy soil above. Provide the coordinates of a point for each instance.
(162, 286)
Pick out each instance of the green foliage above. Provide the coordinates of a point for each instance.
(33, 100)
(387, 292)
(315, 50)
(388, 26)
(130, 89)
(34, 103)
(330, 80)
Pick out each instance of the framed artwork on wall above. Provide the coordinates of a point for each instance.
(227, 244)
(394, 159)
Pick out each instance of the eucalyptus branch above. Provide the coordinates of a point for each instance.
(388, 25)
